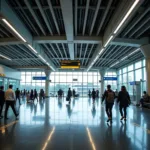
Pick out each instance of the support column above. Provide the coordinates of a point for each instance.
(146, 52)
(102, 73)
(47, 73)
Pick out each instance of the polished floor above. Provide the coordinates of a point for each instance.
(54, 125)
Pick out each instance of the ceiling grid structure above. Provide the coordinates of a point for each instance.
(75, 30)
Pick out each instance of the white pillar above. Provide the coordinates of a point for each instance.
(146, 51)
(102, 73)
(47, 73)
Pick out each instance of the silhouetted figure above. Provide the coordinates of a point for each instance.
(109, 97)
(35, 95)
(69, 95)
(124, 102)
(74, 92)
(24, 93)
(93, 95)
(42, 95)
(2, 100)
(17, 92)
(31, 95)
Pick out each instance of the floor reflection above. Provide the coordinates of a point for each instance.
(79, 120)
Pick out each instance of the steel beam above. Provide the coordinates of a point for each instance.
(43, 15)
(53, 15)
(7, 13)
(67, 11)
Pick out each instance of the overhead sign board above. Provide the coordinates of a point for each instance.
(110, 78)
(70, 64)
(39, 78)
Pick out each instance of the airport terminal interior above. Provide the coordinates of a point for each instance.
(51, 46)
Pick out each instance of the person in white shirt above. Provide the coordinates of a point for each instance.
(10, 101)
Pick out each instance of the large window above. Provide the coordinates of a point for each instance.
(28, 83)
(113, 83)
(130, 73)
(82, 82)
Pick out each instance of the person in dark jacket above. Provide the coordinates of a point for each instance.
(93, 95)
(35, 95)
(74, 93)
(69, 95)
(17, 92)
(31, 95)
(124, 102)
(2, 100)
(109, 97)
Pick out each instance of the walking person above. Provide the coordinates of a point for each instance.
(93, 95)
(10, 101)
(31, 95)
(35, 95)
(69, 95)
(109, 97)
(124, 102)
(2, 100)
(17, 92)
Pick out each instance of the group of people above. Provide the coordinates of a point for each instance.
(30, 95)
(123, 99)
(9, 99)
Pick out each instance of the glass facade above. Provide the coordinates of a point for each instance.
(4, 81)
(110, 82)
(28, 83)
(80, 81)
(132, 72)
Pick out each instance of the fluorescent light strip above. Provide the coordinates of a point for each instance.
(42, 58)
(124, 58)
(32, 48)
(126, 16)
(134, 52)
(101, 51)
(108, 40)
(52, 68)
(13, 29)
(4, 57)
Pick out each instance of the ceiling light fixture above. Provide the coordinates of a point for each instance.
(125, 57)
(4, 57)
(101, 51)
(42, 58)
(126, 16)
(13, 29)
(134, 52)
(108, 40)
(32, 48)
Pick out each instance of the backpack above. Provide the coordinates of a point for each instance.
(110, 97)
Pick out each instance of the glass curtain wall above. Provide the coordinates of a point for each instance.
(82, 82)
(130, 73)
(28, 83)
(111, 82)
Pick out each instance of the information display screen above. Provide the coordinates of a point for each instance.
(70, 64)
